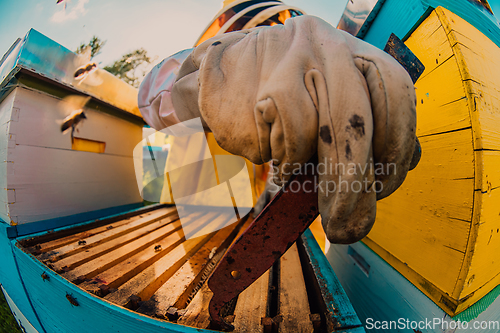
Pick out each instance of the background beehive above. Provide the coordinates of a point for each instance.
(45, 177)
(48, 180)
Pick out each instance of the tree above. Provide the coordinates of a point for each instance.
(95, 45)
(131, 68)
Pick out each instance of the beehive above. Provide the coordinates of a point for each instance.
(441, 228)
(143, 262)
(48, 178)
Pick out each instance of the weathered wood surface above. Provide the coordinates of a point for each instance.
(339, 311)
(109, 235)
(447, 202)
(6, 114)
(160, 274)
(293, 295)
(45, 192)
(435, 222)
(135, 263)
(145, 263)
(477, 57)
(123, 241)
(168, 235)
(144, 284)
(252, 306)
(177, 289)
(60, 242)
(51, 304)
(196, 314)
(165, 237)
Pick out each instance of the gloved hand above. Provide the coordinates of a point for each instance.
(288, 92)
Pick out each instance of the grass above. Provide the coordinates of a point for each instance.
(8, 323)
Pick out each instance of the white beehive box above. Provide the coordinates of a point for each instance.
(48, 179)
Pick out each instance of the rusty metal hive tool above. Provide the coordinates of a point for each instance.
(281, 222)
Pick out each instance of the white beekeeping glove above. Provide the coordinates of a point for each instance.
(288, 92)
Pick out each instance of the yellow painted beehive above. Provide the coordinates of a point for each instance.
(441, 229)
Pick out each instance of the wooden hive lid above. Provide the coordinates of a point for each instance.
(39, 56)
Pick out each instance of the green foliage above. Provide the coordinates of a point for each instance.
(131, 67)
(95, 45)
(8, 323)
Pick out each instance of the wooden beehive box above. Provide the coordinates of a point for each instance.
(441, 228)
(141, 261)
(48, 179)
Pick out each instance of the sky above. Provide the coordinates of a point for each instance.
(162, 27)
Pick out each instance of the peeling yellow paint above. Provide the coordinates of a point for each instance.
(442, 226)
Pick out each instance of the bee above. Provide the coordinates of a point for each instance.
(72, 299)
(72, 120)
(59, 1)
(74, 106)
(82, 72)
(85, 67)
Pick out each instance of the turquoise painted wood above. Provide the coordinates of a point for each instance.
(378, 291)
(375, 289)
(337, 302)
(92, 314)
(11, 280)
(120, 213)
(402, 17)
(22, 322)
(56, 305)
(396, 17)
(60, 222)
